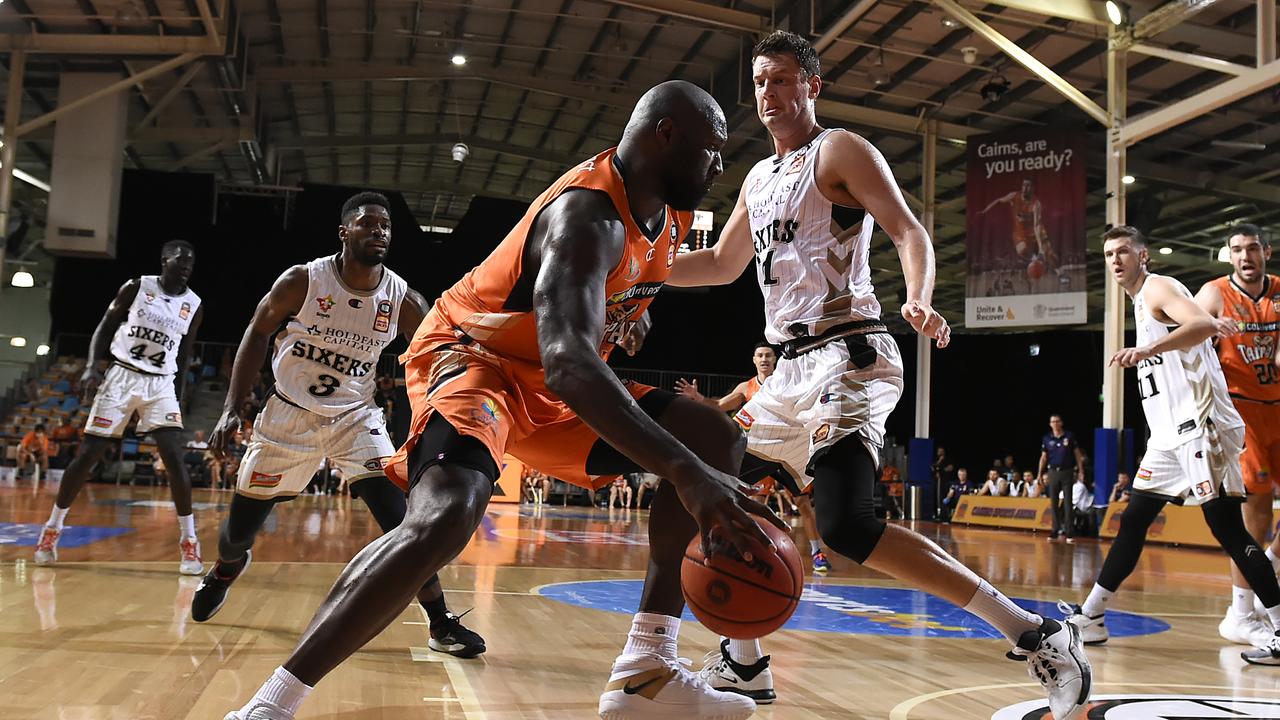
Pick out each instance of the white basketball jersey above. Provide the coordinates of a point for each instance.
(812, 257)
(327, 355)
(1180, 389)
(149, 337)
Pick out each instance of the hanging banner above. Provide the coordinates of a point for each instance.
(1025, 222)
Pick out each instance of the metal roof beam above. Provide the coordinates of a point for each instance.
(1206, 101)
(1168, 15)
(86, 44)
(357, 141)
(702, 12)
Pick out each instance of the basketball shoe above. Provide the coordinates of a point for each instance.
(1093, 630)
(1245, 629)
(1266, 654)
(259, 710)
(821, 564)
(212, 593)
(1055, 657)
(191, 563)
(722, 672)
(47, 547)
(452, 637)
(651, 687)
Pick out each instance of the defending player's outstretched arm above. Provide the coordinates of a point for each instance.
(852, 172)
(283, 301)
(116, 313)
(723, 263)
(576, 242)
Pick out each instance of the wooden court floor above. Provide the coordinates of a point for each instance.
(107, 635)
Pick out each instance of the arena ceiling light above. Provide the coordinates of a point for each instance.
(1166, 251)
(18, 341)
(1117, 12)
(23, 279)
(1128, 179)
(42, 350)
(458, 59)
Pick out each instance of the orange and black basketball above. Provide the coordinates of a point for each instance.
(740, 599)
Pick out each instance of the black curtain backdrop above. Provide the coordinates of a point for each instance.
(990, 396)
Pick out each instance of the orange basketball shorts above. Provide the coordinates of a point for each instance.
(505, 405)
(1261, 458)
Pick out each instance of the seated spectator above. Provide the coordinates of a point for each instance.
(234, 453)
(1011, 468)
(66, 438)
(34, 449)
(996, 484)
(958, 488)
(893, 489)
(647, 482)
(1082, 500)
(1019, 486)
(531, 485)
(620, 490)
(1124, 486)
(1037, 486)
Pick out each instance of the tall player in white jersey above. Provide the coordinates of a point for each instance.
(806, 216)
(1193, 452)
(338, 313)
(148, 330)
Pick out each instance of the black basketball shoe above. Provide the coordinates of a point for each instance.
(451, 636)
(212, 592)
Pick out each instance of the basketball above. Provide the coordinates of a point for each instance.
(1035, 270)
(739, 599)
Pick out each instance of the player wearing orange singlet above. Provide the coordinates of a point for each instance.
(511, 360)
(1245, 302)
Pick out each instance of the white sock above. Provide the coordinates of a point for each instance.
(1241, 601)
(57, 517)
(188, 525)
(991, 605)
(652, 634)
(1096, 604)
(1275, 560)
(746, 652)
(1274, 615)
(282, 689)
(814, 548)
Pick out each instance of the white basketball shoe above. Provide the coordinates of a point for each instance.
(649, 687)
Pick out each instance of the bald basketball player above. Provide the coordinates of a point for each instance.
(511, 359)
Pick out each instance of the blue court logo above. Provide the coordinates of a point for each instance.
(27, 535)
(853, 609)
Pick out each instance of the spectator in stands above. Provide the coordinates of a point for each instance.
(1082, 500)
(891, 478)
(531, 485)
(996, 485)
(1019, 485)
(621, 490)
(1011, 468)
(234, 452)
(958, 488)
(1120, 493)
(201, 462)
(66, 438)
(647, 482)
(31, 391)
(1037, 486)
(34, 449)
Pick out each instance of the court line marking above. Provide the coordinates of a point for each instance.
(467, 697)
(902, 710)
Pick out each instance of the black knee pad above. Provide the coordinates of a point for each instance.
(844, 479)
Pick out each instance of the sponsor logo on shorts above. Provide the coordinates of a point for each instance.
(382, 323)
(1203, 489)
(487, 413)
(1143, 474)
(375, 464)
(173, 417)
(744, 419)
(326, 304)
(185, 311)
(99, 421)
(822, 433)
(263, 480)
(1186, 427)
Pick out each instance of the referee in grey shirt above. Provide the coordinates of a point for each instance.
(1060, 455)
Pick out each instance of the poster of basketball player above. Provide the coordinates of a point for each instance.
(1025, 222)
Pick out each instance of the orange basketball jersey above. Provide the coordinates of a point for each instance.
(1024, 217)
(753, 387)
(1249, 358)
(493, 304)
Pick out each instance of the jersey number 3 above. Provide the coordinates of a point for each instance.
(328, 384)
